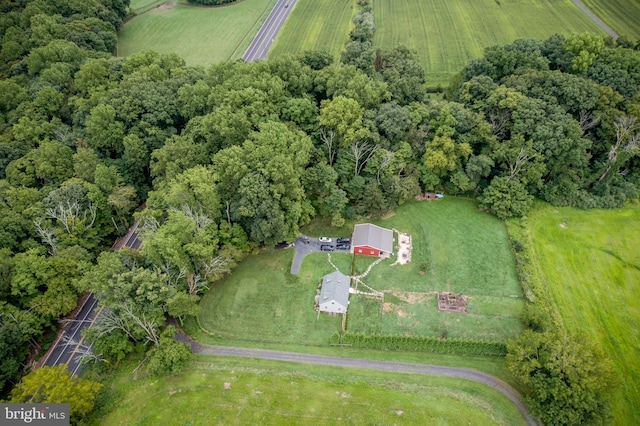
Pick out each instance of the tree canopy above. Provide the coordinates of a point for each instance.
(219, 161)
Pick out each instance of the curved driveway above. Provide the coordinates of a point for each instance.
(400, 367)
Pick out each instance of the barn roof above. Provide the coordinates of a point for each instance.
(368, 234)
(335, 288)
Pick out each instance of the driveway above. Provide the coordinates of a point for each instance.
(305, 245)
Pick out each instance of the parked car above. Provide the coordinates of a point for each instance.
(343, 240)
(343, 246)
(326, 247)
(324, 239)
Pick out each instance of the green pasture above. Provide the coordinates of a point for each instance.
(591, 262)
(316, 25)
(456, 249)
(622, 16)
(215, 390)
(447, 34)
(201, 35)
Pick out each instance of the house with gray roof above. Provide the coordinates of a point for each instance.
(334, 294)
(372, 240)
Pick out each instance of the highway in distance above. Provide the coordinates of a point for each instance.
(70, 344)
(261, 43)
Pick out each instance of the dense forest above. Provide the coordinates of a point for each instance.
(238, 156)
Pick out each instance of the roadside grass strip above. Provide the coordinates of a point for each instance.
(592, 266)
(623, 16)
(316, 25)
(447, 34)
(240, 391)
(200, 35)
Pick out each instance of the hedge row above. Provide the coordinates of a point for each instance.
(211, 2)
(421, 344)
(541, 312)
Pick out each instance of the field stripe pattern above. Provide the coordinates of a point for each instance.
(447, 34)
(316, 25)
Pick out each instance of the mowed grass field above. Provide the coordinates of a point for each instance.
(447, 34)
(455, 249)
(201, 35)
(466, 251)
(236, 391)
(593, 270)
(316, 25)
(262, 302)
(623, 16)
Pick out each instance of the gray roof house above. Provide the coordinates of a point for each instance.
(334, 294)
(372, 240)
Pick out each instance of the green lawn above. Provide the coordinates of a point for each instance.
(271, 393)
(464, 251)
(447, 34)
(261, 301)
(622, 16)
(201, 35)
(592, 266)
(316, 25)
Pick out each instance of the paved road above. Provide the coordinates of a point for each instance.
(259, 47)
(597, 20)
(70, 343)
(401, 367)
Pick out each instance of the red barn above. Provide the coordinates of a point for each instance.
(372, 240)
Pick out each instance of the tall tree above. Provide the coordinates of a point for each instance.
(569, 378)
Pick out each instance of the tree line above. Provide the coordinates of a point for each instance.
(236, 156)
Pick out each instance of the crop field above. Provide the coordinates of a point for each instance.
(462, 251)
(455, 249)
(623, 16)
(591, 262)
(316, 25)
(201, 35)
(238, 391)
(447, 34)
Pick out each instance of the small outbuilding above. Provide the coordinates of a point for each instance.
(334, 294)
(372, 240)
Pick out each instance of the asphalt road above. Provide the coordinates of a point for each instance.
(595, 19)
(70, 343)
(259, 47)
(400, 367)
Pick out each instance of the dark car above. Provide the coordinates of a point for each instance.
(343, 240)
(326, 247)
(343, 246)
